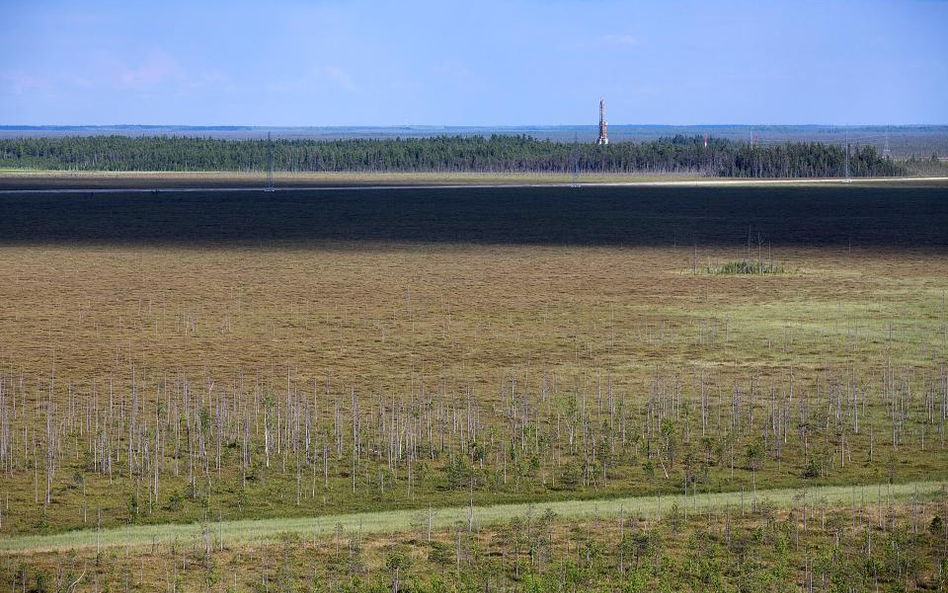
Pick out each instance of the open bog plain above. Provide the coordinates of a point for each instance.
(509, 388)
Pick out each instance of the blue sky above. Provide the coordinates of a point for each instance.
(480, 62)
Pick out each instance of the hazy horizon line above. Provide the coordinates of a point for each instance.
(467, 126)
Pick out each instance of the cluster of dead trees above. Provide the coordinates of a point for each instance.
(681, 429)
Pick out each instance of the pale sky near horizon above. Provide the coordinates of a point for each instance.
(520, 62)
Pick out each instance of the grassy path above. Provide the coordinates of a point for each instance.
(395, 521)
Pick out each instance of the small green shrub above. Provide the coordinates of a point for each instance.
(744, 267)
(937, 526)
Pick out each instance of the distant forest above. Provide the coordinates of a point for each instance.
(496, 153)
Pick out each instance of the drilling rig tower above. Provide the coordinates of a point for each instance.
(603, 137)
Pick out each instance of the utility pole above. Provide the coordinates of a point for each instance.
(846, 162)
(270, 173)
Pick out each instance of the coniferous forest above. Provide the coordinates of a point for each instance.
(493, 154)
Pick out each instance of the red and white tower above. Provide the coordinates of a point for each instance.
(603, 136)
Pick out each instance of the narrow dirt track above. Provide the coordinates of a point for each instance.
(679, 183)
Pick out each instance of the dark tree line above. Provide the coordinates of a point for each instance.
(497, 153)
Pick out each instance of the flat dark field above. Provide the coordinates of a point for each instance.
(875, 216)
